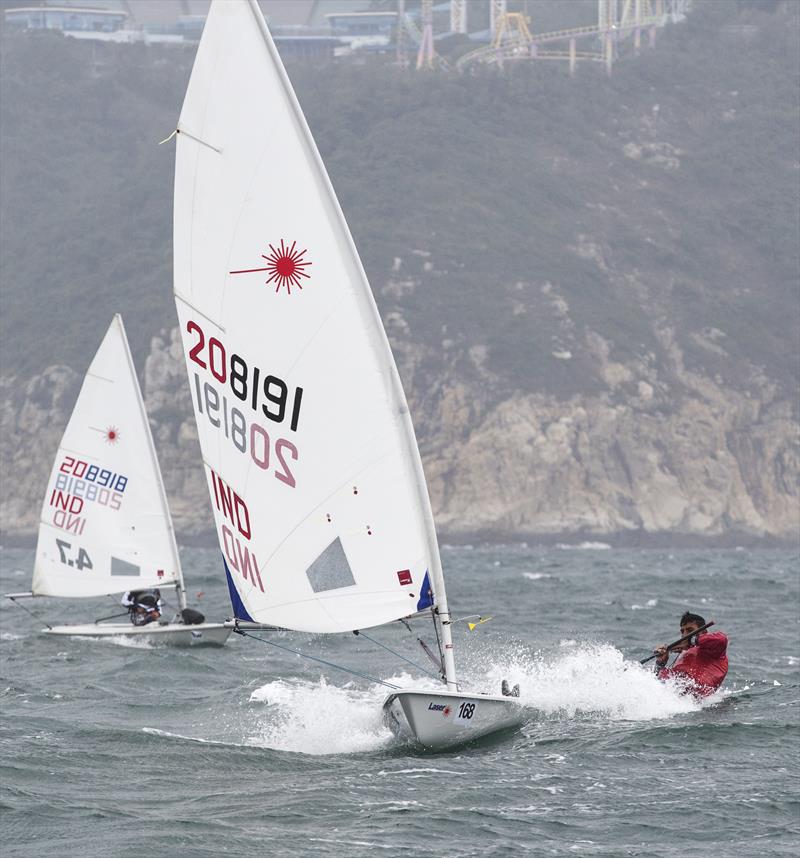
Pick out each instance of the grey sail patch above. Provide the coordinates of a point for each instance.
(122, 567)
(330, 570)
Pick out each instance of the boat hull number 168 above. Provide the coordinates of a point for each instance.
(465, 712)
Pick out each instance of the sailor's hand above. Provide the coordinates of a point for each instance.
(662, 654)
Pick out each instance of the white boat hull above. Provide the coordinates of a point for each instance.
(441, 719)
(174, 634)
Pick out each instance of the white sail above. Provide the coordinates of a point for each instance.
(105, 525)
(315, 479)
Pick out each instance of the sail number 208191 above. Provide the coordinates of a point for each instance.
(271, 393)
(247, 436)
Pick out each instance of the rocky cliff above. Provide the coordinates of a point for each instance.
(641, 459)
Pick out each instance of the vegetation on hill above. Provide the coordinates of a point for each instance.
(665, 196)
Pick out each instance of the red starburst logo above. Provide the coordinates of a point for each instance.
(112, 435)
(284, 265)
(446, 711)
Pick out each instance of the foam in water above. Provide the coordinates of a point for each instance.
(586, 680)
(165, 734)
(580, 680)
(318, 718)
(583, 546)
(128, 641)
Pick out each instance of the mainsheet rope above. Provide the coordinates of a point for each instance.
(29, 612)
(315, 658)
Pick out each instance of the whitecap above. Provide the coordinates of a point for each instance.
(165, 734)
(583, 546)
(318, 718)
(426, 770)
(591, 680)
(117, 640)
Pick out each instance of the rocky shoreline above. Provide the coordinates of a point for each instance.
(718, 468)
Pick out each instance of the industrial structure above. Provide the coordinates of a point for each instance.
(617, 20)
(404, 31)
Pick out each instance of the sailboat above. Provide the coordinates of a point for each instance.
(319, 497)
(105, 526)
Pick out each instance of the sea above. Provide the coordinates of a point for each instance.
(120, 748)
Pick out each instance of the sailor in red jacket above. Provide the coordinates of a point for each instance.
(703, 660)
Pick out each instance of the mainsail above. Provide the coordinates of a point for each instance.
(315, 479)
(105, 525)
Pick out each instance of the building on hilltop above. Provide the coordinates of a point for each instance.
(374, 31)
(300, 27)
(82, 22)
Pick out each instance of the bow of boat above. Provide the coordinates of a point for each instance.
(442, 719)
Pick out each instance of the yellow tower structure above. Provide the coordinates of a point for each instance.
(512, 29)
(425, 53)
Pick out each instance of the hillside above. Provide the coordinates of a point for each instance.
(535, 243)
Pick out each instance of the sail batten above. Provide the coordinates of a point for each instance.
(302, 420)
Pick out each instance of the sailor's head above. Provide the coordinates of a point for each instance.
(147, 601)
(690, 623)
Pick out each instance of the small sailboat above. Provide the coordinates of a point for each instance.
(105, 526)
(316, 483)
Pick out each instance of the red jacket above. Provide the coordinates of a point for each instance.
(705, 664)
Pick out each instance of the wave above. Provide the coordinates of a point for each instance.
(9, 636)
(126, 641)
(583, 546)
(318, 718)
(580, 680)
(586, 680)
(165, 734)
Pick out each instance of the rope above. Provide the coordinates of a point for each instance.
(399, 655)
(314, 658)
(30, 612)
(438, 642)
(426, 649)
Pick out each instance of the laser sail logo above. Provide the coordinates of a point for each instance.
(285, 267)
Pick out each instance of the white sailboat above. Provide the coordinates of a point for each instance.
(319, 497)
(105, 526)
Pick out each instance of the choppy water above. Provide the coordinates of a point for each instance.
(116, 749)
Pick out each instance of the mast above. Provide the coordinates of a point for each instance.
(179, 585)
(437, 574)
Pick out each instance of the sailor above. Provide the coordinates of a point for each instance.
(702, 662)
(144, 606)
(508, 692)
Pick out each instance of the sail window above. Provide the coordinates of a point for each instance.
(122, 567)
(330, 570)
